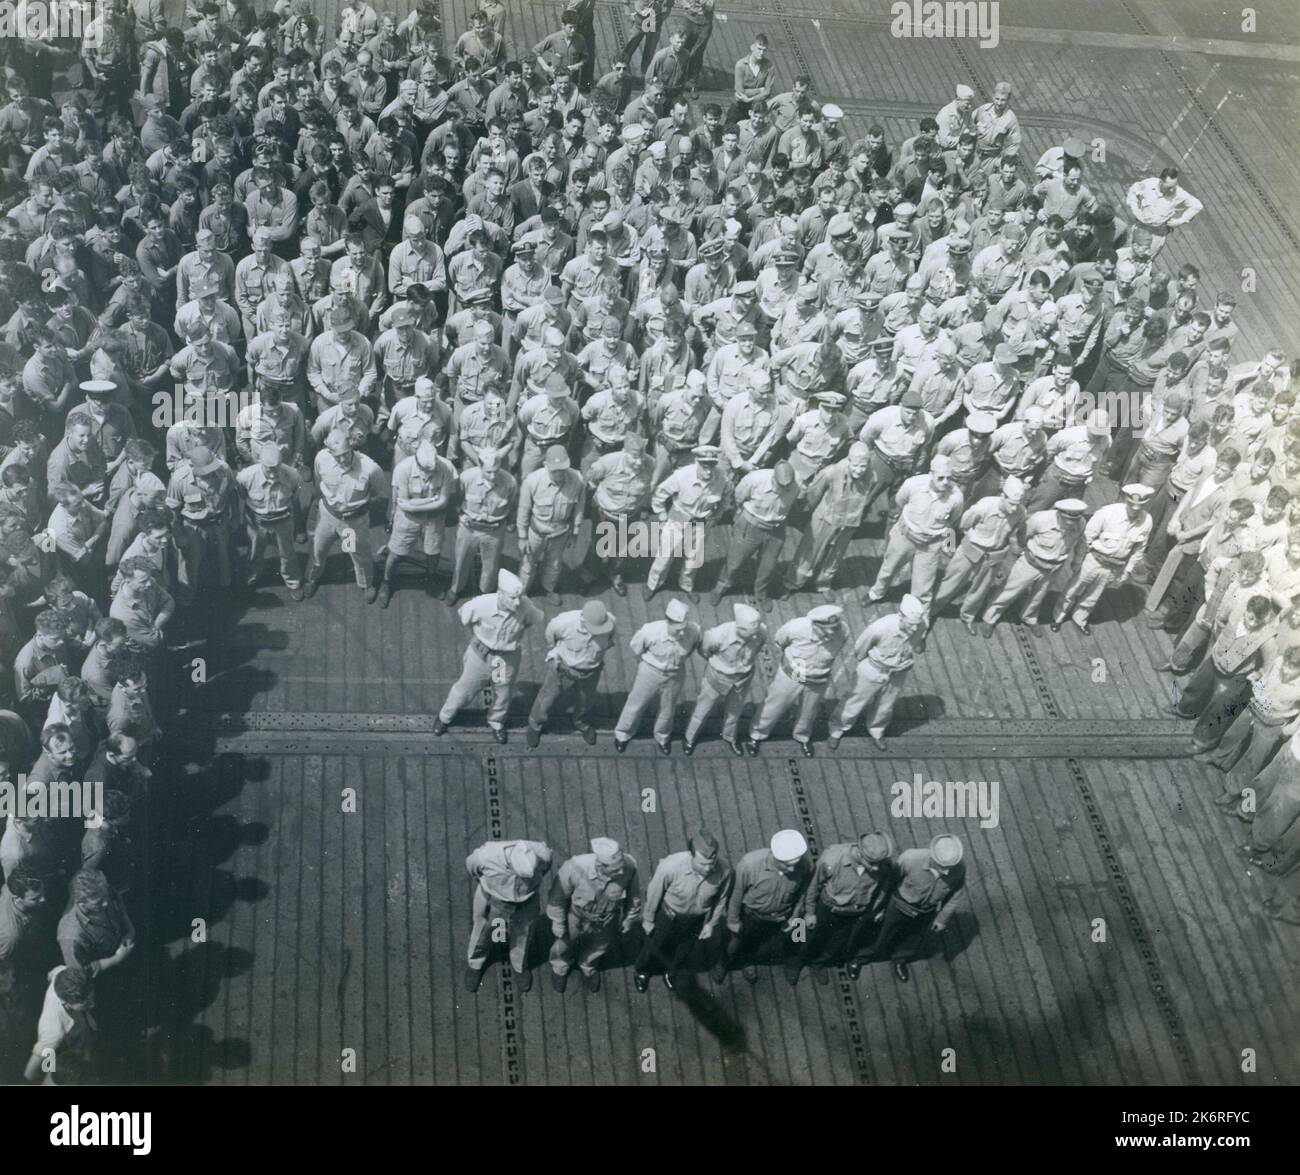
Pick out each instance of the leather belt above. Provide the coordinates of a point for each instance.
(1041, 564)
(898, 463)
(483, 651)
(793, 676)
(1108, 561)
(268, 518)
(342, 515)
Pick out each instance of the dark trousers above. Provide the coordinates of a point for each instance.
(697, 40)
(1214, 698)
(588, 71)
(736, 112)
(1049, 491)
(606, 566)
(1249, 737)
(112, 91)
(748, 537)
(649, 43)
(902, 933)
(559, 684)
(838, 938)
(759, 940)
(1185, 593)
(670, 944)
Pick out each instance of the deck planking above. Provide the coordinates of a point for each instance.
(333, 932)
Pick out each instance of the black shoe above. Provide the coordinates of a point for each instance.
(372, 593)
(532, 736)
(765, 603)
(620, 745)
(750, 972)
(752, 745)
(688, 747)
(806, 749)
(719, 973)
(694, 597)
(473, 978)
(854, 969)
(500, 735)
(716, 596)
(986, 629)
(828, 594)
(524, 979)
(620, 589)
(665, 748)
(833, 743)
(439, 727)
(1084, 627)
(641, 982)
(554, 599)
(295, 594)
(822, 975)
(386, 595)
(792, 973)
(649, 592)
(591, 982)
(878, 743)
(1055, 626)
(558, 981)
(588, 735)
(309, 588)
(736, 747)
(902, 971)
(969, 626)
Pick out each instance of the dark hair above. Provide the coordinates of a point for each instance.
(704, 843)
(24, 884)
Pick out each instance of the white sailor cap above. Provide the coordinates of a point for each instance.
(911, 608)
(607, 850)
(788, 846)
(946, 850)
(522, 859)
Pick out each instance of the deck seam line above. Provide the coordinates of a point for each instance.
(1194, 98)
(1118, 876)
(510, 1047)
(1136, 924)
(849, 1002)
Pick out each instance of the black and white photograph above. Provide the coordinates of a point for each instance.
(651, 544)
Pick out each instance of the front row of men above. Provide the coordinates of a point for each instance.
(856, 903)
(577, 641)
